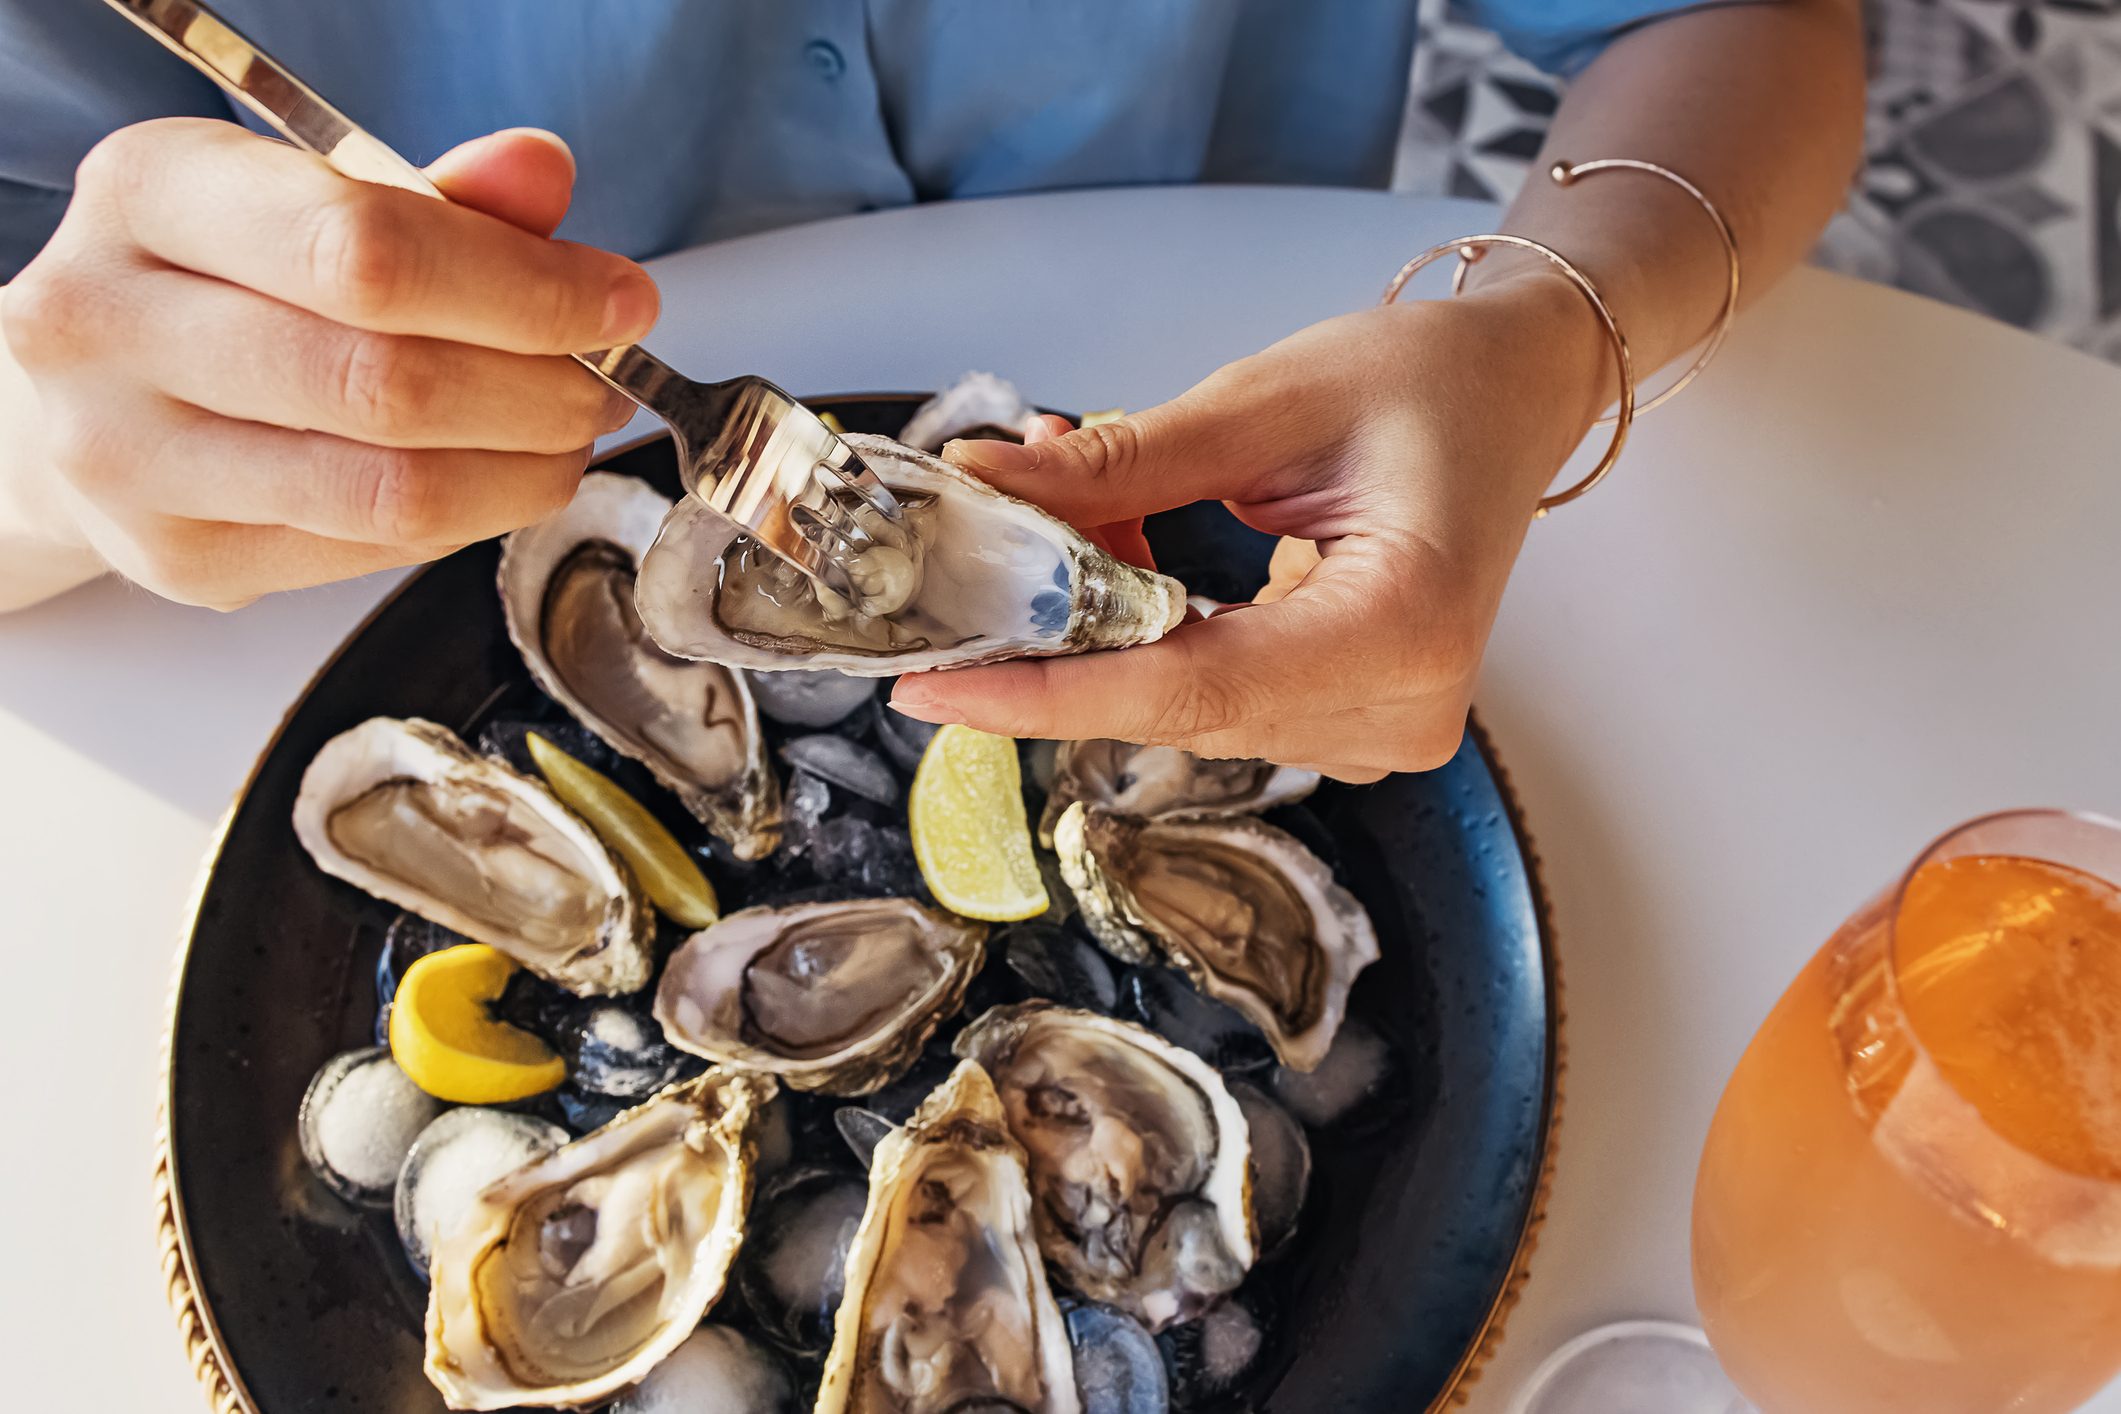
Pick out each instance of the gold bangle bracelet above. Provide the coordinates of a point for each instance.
(1567, 174)
(1624, 418)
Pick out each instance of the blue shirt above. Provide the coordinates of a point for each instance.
(696, 119)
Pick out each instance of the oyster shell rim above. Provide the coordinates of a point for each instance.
(1294, 787)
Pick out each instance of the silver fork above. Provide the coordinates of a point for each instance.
(744, 447)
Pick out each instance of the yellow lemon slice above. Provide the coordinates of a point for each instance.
(970, 836)
(443, 1034)
(672, 880)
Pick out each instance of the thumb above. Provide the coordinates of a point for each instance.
(1170, 455)
(525, 176)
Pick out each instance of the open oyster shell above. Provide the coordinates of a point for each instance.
(408, 812)
(837, 996)
(1164, 782)
(946, 1304)
(1139, 1156)
(1002, 579)
(1249, 915)
(567, 588)
(571, 1277)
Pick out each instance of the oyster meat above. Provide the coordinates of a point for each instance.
(1140, 1157)
(567, 592)
(406, 811)
(1002, 579)
(837, 996)
(1161, 782)
(1249, 915)
(946, 1306)
(573, 1276)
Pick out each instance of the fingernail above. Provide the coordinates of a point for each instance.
(550, 139)
(630, 309)
(1004, 457)
(932, 712)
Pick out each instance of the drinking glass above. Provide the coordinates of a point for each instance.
(1910, 1200)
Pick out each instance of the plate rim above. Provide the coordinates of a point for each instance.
(204, 1348)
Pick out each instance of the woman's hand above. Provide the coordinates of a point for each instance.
(253, 373)
(1402, 451)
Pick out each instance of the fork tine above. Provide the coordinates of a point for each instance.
(828, 571)
(866, 487)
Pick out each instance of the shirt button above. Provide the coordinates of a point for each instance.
(825, 57)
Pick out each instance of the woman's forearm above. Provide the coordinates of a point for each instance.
(40, 552)
(1759, 105)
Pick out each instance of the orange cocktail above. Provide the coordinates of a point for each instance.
(1911, 1194)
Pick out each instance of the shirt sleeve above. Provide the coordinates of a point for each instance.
(72, 71)
(1563, 38)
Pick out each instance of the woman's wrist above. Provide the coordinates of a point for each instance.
(1533, 370)
(1560, 336)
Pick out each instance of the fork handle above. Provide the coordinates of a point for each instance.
(298, 113)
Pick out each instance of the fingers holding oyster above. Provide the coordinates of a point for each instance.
(1372, 443)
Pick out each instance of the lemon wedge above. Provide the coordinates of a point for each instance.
(445, 1038)
(970, 835)
(672, 880)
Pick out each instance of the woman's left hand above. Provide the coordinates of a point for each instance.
(1408, 444)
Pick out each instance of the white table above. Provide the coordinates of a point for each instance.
(1857, 585)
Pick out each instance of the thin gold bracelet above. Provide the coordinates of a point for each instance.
(1623, 419)
(1567, 174)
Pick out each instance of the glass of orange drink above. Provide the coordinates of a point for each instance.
(1910, 1200)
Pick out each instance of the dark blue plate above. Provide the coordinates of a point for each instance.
(1418, 1227)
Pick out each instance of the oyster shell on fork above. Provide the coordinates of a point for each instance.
(1001, 579)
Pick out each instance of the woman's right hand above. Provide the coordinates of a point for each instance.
(255, 374)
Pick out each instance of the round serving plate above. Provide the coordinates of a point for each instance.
(1421, 1226)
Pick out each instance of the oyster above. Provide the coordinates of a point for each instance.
(566, 588)
(1002, 579)
(946, 1306)
(406, 811)
(976, 405)
(1140, 1157)
(573, 1276)
(1250, 916)
(1161, 782)
(837, 996)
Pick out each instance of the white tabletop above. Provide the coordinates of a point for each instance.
(1857, 585)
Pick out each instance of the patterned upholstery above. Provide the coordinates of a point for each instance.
(1993, 152)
